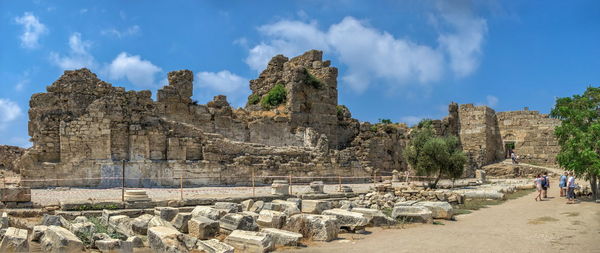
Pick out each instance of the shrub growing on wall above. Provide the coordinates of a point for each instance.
(275, 96)
(312, 80)
(253, 99)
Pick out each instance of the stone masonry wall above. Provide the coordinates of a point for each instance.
(8, 154)
(85, 132)
(479, 135)
(533, 135)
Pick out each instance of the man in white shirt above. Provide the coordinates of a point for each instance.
(571, 188)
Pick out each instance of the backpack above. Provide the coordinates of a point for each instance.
(544, 181)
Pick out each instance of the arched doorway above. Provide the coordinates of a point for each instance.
(510, 143)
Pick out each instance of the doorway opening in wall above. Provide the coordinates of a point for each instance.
(508, 146)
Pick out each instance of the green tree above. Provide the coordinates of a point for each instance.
(579, 135)
(434, 156)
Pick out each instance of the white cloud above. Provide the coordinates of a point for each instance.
(130, 31)
(372, 55)
(9, 111)
(226, 83)
(131, 67)
(492, 101)
(78, 56)
(222, 81)
(463, 45)
(21, 84)
(32, 30)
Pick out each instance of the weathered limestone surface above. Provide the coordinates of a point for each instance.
(83, 127)
(14, 240)
(315, 227)
(250, 241)
(215, 246)
(59, 239)
(203, 228)
(165, 239)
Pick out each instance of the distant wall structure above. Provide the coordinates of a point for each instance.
(532, 135)
(83, 127)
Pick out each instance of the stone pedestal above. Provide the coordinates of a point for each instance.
(317, 187)
(395, 176)
(480, 175)
(280, 187)
(136, 196)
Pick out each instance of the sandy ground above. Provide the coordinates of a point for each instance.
(521, 225)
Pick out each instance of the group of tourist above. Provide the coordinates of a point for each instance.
(566, 186)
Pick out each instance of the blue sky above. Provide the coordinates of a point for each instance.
(402, 60)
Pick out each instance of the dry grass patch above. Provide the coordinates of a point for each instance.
(542, 220)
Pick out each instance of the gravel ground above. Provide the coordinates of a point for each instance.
(53, 196)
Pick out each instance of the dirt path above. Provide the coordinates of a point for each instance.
(520, 225)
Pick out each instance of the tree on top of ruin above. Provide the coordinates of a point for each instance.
(579, 135)
(434, 156)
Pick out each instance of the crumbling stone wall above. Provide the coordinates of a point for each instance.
(85, 132)
(479, 135)
(532, 134)
(8, 154)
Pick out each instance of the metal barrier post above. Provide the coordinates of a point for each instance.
(123, 180)
(253, 184)
(340, 183)
(290, 183)
(181, 185)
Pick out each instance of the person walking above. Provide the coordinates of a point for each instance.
(538, 187)
(545, 185)
(571, 188)
(562, 185)
(513, 156)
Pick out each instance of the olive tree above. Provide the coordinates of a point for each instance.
(434, 156)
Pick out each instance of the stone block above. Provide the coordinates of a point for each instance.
(165, 239)
(208, 212)
(121, 224)
(316, 187)
(214, 246)
(439, 210)
(159, 222)
(237, 221)
(136, 241)
(114, 245)
(352, 221)
(257, 206)
(58, 239)
(180, 222)
(15, 194)
(314, 227)
(38, 232)
(55, 220)
(412, 213)
(139, 225)
(283, 237)
(280, 187)
(166, 213)
(271, 219)
(14, 240)
(202, 227)
(247, 204)
(288, 207)
(4, 220)
(315, 206)
(230, 207)
(250, 241)
(375, 217)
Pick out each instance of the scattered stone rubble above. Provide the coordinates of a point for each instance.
(250, 225)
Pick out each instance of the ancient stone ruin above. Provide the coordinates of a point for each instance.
(87, 130)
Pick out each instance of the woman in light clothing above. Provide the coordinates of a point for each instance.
(538, 187)
(571, 188)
